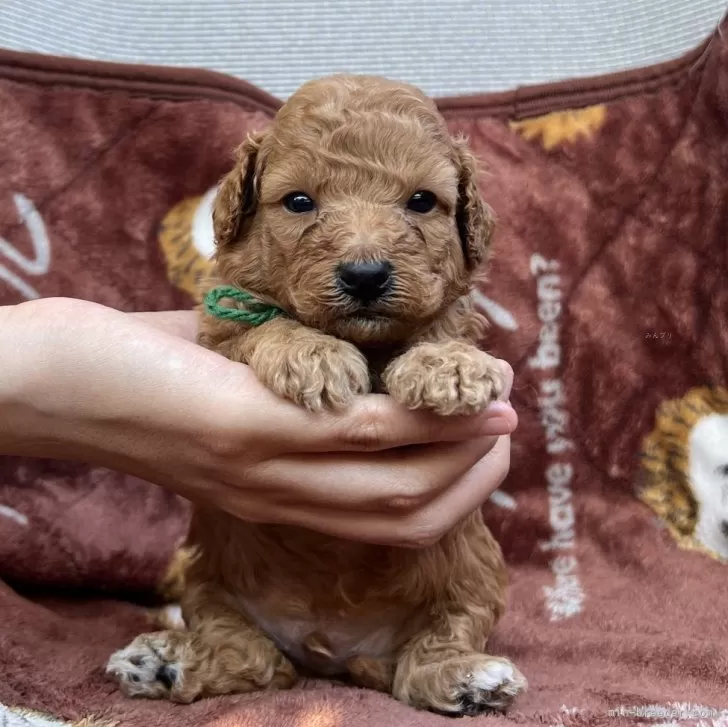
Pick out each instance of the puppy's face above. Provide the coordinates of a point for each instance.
(355, 210)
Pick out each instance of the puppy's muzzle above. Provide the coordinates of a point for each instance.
(365, 281)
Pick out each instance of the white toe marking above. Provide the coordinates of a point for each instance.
(134, 665)
(494, 675)
(138, 666)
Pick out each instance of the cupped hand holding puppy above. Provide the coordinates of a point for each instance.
(135, 393)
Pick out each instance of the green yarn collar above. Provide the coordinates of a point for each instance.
(254, 312)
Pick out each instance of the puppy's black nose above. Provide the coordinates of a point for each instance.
(365, 281)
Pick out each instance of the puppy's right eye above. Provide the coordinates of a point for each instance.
(298, 203)
(422, 202)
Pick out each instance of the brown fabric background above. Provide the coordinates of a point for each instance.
(627, 203)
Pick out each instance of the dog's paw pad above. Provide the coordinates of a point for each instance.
(143, 670)
(492, 686)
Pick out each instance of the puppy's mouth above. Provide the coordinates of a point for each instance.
(368, 316)
(368, 320)
(372, 326)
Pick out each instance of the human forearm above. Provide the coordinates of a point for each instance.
(77, 378)
(182, 323)
(20, 428)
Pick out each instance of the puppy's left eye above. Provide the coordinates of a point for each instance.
(299, 203)
(422, 202)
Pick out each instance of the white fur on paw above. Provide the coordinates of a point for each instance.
(142, 670)
(494, 685)
(493, 675)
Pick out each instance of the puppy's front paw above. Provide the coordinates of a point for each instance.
(446, 378)
(316, 373)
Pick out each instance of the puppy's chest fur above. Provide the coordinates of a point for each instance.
(378, 357)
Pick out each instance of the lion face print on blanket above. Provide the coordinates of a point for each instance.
(685, 462)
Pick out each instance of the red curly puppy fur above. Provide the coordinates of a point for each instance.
(359, 215)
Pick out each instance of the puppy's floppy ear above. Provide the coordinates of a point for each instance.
(237, 196)
(474, 217)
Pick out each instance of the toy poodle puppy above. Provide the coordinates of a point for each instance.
(347, 235)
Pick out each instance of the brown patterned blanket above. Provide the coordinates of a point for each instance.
(608, 293)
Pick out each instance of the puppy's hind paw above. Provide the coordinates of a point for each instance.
(463, 686)
(492, 685)
(147, 668)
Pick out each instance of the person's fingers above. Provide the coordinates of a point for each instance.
(420, 529)
(379, 423)
(463, 498)
(376, 422)
(393, 481)
(181, 323)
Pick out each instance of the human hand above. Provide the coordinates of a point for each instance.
(136, 394)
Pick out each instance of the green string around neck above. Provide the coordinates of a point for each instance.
(254, 312)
